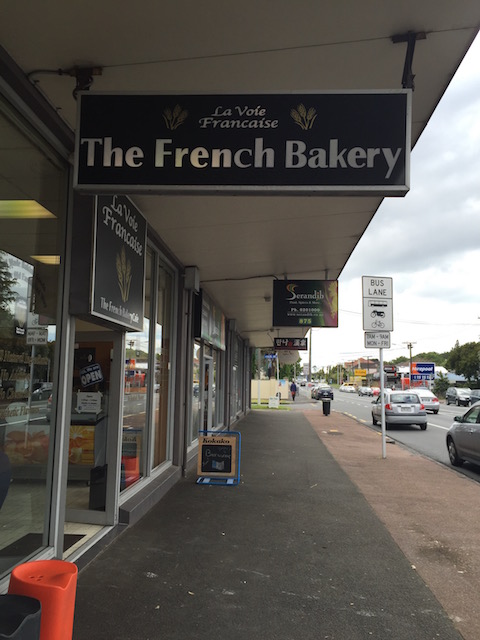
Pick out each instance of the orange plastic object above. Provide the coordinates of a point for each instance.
(54, 583)
(131, 464)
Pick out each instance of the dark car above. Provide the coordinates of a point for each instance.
(463, 438)
(458, 396)
(324, 393)
(475, 396)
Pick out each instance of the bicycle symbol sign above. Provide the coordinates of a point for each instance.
(377, 304)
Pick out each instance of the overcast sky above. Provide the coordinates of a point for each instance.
(427, 242)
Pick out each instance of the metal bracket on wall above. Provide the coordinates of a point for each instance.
(410, 38)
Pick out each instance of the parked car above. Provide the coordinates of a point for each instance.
(348, 388)
(43, 391)
(315, 392)
(401, 408)
(474, 396)
(458, 396)
(365, 391)
(429, 399)
(463, 437)
(324, 392)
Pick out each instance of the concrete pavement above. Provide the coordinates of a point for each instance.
(322, 539)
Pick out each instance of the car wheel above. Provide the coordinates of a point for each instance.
(435, 412)
(452, 454)
(374, 420)
(423, 426)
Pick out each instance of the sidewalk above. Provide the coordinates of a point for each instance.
(323, 539)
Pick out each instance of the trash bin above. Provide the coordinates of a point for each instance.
(326, 406)
(54, 583)
(19, 617)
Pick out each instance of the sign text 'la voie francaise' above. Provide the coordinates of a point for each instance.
(276, 142)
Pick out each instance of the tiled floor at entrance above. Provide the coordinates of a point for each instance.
(23, 513)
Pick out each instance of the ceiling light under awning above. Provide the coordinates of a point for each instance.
(23, 209)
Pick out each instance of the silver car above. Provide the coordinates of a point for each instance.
(429, 399)
(401, 408)
(463, 437)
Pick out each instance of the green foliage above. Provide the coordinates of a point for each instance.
(464, 360)
(7, 296)
(438, 359)
(253, 364)
(6, 285)
(441, 385)
(431, 356)
(290, 371)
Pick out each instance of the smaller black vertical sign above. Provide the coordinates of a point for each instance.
(118, 279)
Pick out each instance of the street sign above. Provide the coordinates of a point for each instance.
(377, 339)
(377, 303)
(423, 371)
(360, 373)
(38, 335)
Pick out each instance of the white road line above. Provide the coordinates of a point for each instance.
(439, 426)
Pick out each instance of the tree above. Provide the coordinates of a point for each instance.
(288, 371)
(7, 296)
(464, 360)
(431, 356)
(441, 385)
(253, 364)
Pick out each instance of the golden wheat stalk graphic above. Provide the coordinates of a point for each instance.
(302, 117)
(175, 118)
(124, 274)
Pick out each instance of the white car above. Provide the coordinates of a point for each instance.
(429, 399)
(348, 388)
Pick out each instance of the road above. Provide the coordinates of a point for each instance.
(430, 443)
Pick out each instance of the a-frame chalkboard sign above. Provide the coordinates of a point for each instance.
(219, 457)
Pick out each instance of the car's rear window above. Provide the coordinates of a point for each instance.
(404, 398)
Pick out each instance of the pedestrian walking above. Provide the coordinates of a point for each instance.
(293, 390)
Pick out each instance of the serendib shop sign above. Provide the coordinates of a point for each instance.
(118, 278)
(305, 303)
(349, 142)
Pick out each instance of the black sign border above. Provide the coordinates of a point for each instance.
(94, 312)
(365, 190)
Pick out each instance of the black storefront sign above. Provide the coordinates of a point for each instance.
(297, 143)
(305, 303)
(289, 344)
(118, 277)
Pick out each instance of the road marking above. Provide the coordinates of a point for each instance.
(439, 426)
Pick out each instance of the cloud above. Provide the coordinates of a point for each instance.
(428, 242)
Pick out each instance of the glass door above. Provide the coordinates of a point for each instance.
(208, 393)
(94, 428)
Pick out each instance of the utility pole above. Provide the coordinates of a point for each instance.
(310, 357)
(409, 346)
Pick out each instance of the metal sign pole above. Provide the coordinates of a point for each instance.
(382, 395)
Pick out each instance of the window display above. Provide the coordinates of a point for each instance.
(33, 183)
